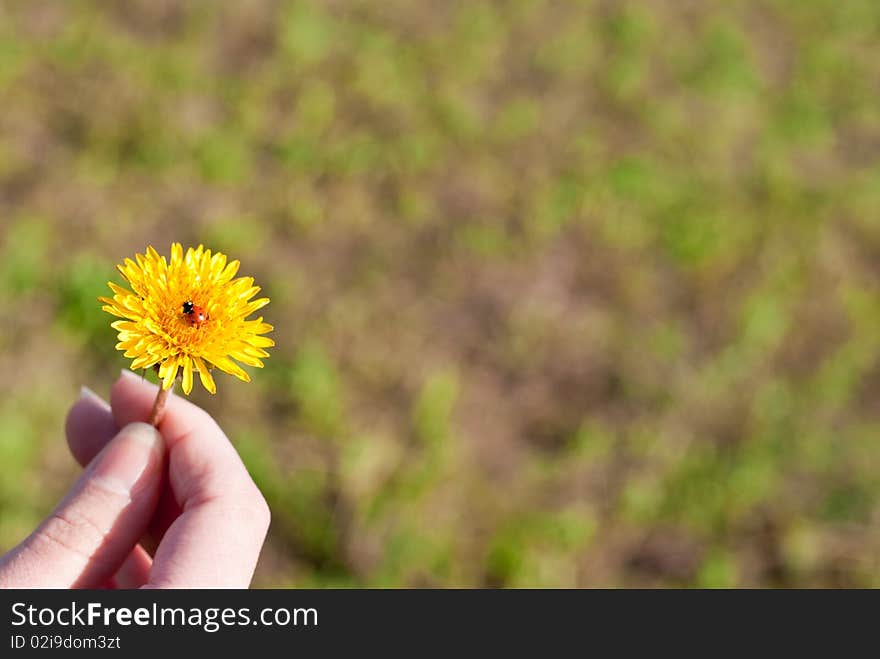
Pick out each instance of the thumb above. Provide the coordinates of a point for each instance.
(92, 531)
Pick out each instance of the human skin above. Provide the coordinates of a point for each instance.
(181, 488)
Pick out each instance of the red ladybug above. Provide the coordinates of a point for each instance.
(196, 315)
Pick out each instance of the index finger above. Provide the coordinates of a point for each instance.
(216, 540)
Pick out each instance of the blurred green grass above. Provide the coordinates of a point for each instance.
(565, 293)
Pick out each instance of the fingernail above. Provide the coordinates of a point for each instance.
(120, 465)
(130, 374)
(88, 394)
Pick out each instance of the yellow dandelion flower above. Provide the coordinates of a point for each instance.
(187, 315)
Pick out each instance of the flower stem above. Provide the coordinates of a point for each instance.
(158, 407)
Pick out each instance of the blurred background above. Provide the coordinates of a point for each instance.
(565, 293)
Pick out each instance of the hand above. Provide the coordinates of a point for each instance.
(206, 513)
